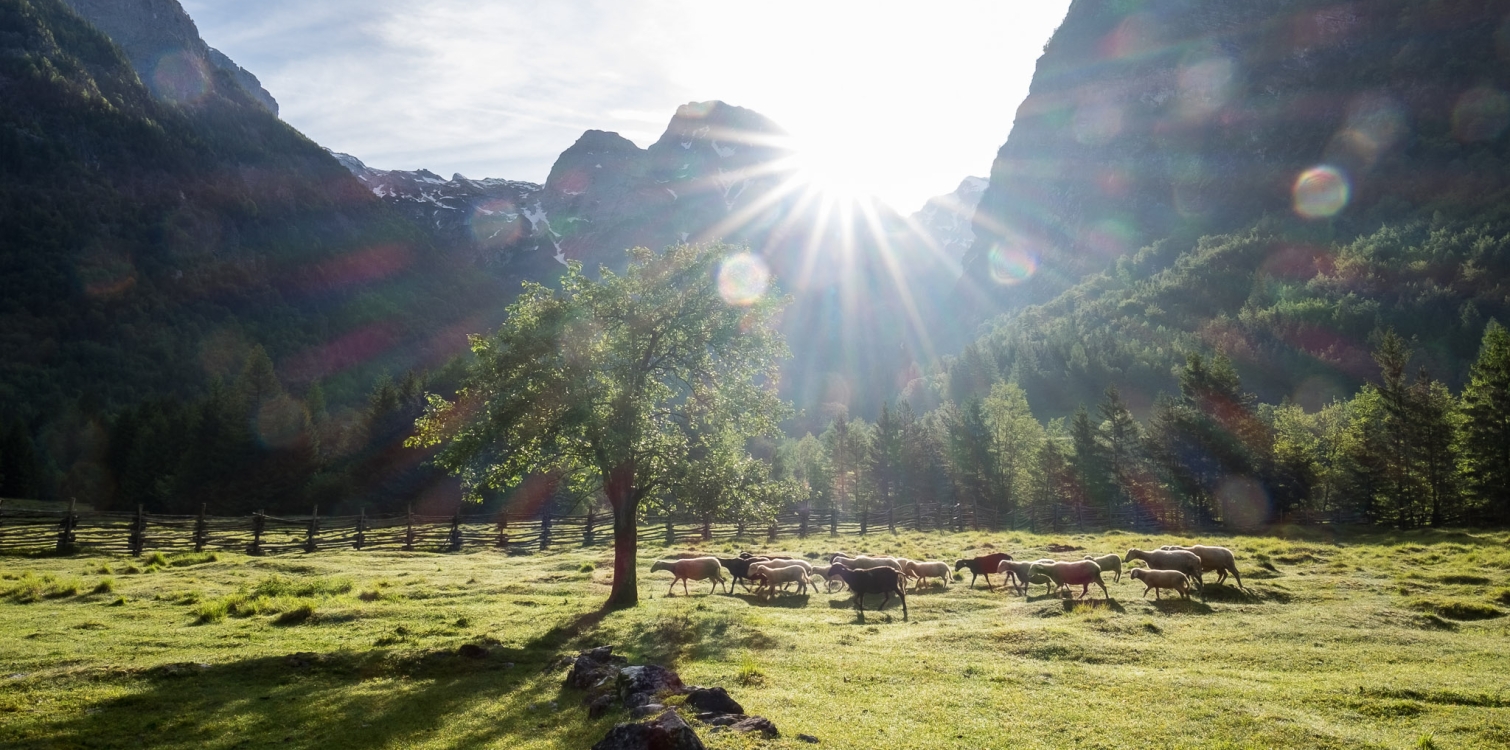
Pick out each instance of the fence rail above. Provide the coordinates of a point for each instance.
(31, 530)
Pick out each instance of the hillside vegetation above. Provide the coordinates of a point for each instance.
(1376, 640)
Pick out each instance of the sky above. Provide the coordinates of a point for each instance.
(900, 99)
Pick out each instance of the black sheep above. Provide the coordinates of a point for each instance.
(886, 581)
(739, 567)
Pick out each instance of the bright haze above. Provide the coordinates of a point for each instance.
(897, 99)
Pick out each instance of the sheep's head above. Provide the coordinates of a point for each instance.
(1133, 554)
(1005, 566)
(661, 565)
(962, 563)
(1136, 573)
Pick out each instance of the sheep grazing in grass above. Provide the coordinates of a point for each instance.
(692, 569)
(768, 576)
(886, 581)
(1109, 564)
(1219, 559)
(1080, 573)
(1171, 559)
(739, 567)
(984, 565)
(1173, 580)
(1019, 574)
(928, 569)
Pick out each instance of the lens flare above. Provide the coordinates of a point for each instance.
(1320, 192)
(743, 278)
(1480, 115)
(180, 78)
(1011, 266)
(1096, 123)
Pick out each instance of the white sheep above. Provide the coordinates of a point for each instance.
(1171, 559)
(1082, 573)
(770, 577)
(1219, 559)
(866, 563)
(787, 562)
(928, 569)
(1161, 579)
(693, 569)
(1021, 572)
(1109, 564)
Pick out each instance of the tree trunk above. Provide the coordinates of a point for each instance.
(625, 592)
(626, 538)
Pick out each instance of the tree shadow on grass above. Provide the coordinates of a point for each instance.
(1182, 607)
(348, 698)
(1111, 605)
(784, 601)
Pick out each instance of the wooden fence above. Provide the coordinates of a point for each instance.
(33, 530)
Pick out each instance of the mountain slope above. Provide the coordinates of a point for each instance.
(1183, 117)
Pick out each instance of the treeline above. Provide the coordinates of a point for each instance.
(1405, 452)
(249, 443)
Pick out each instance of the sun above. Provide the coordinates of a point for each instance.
(833, 169)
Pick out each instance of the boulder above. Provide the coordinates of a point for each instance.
(591, 668)
(599, 706)
(649, 709)
(713, 699)
(640, 685)
(756, 724)
(665, 732)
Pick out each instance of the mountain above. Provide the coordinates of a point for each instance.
(165, 49)
(1177, 118)
(1275, 183)
(871, 291)
(949, 219)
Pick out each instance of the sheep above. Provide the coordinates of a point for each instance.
(1219, 559)
(1021, 571)
(739, 567)
(1171, 559)
(770, 575)
(830, 578)
(695, 568)
(785, 562)
(1081, 572)
(1161, 579)
(1112, 563)
(929, 569)
(882, 580)
(984, 565)
(864, 562)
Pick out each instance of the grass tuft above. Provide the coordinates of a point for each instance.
(749, 673)
(105, 586)
(295, 616)
(1456, 609)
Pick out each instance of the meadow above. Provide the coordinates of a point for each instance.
(1393, 640)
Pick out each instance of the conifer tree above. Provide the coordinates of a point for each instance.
(1486, 429)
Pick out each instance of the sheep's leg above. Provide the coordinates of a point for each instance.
(671, 588)
(1239, 577)
(1156, 591)
(1145, 591)
(988, 582)
(685, 592)
(1104, 592)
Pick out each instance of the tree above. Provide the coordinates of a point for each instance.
(1486, 432)
(604, 379)
(1120, 440)
(1015, 437)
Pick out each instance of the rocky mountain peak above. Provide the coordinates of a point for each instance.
(165, 49)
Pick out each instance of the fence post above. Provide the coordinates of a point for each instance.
(802, 523)
(201, 529)
(2, 517)
(891, 519)
(138, 536)
(409, 528)
(314, 528)
(670, 531)
(361, 529)
(587, 532)
(259, 522)
(864, 521)
(917, 515)
(503, 529)
(65, 533)
(771, 534)
(739, 529)
(833, 521)
(455, 537)
(545, 529)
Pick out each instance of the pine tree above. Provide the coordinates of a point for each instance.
(1486, 432)
(1120, 442)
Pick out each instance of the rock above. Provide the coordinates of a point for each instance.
(649, 709)
(599, 706)
(756, 724)
(472, 651)
(715, 699)
(635, 700)
(593, 667)
(649, 678)
(715, 719)
(666, 732)
(808, 738)
(301, 660)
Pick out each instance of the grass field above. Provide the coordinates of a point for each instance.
(1390, 640)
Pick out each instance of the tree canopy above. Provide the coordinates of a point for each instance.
(613, 383)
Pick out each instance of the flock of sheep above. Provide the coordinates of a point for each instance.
(1169, 568)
